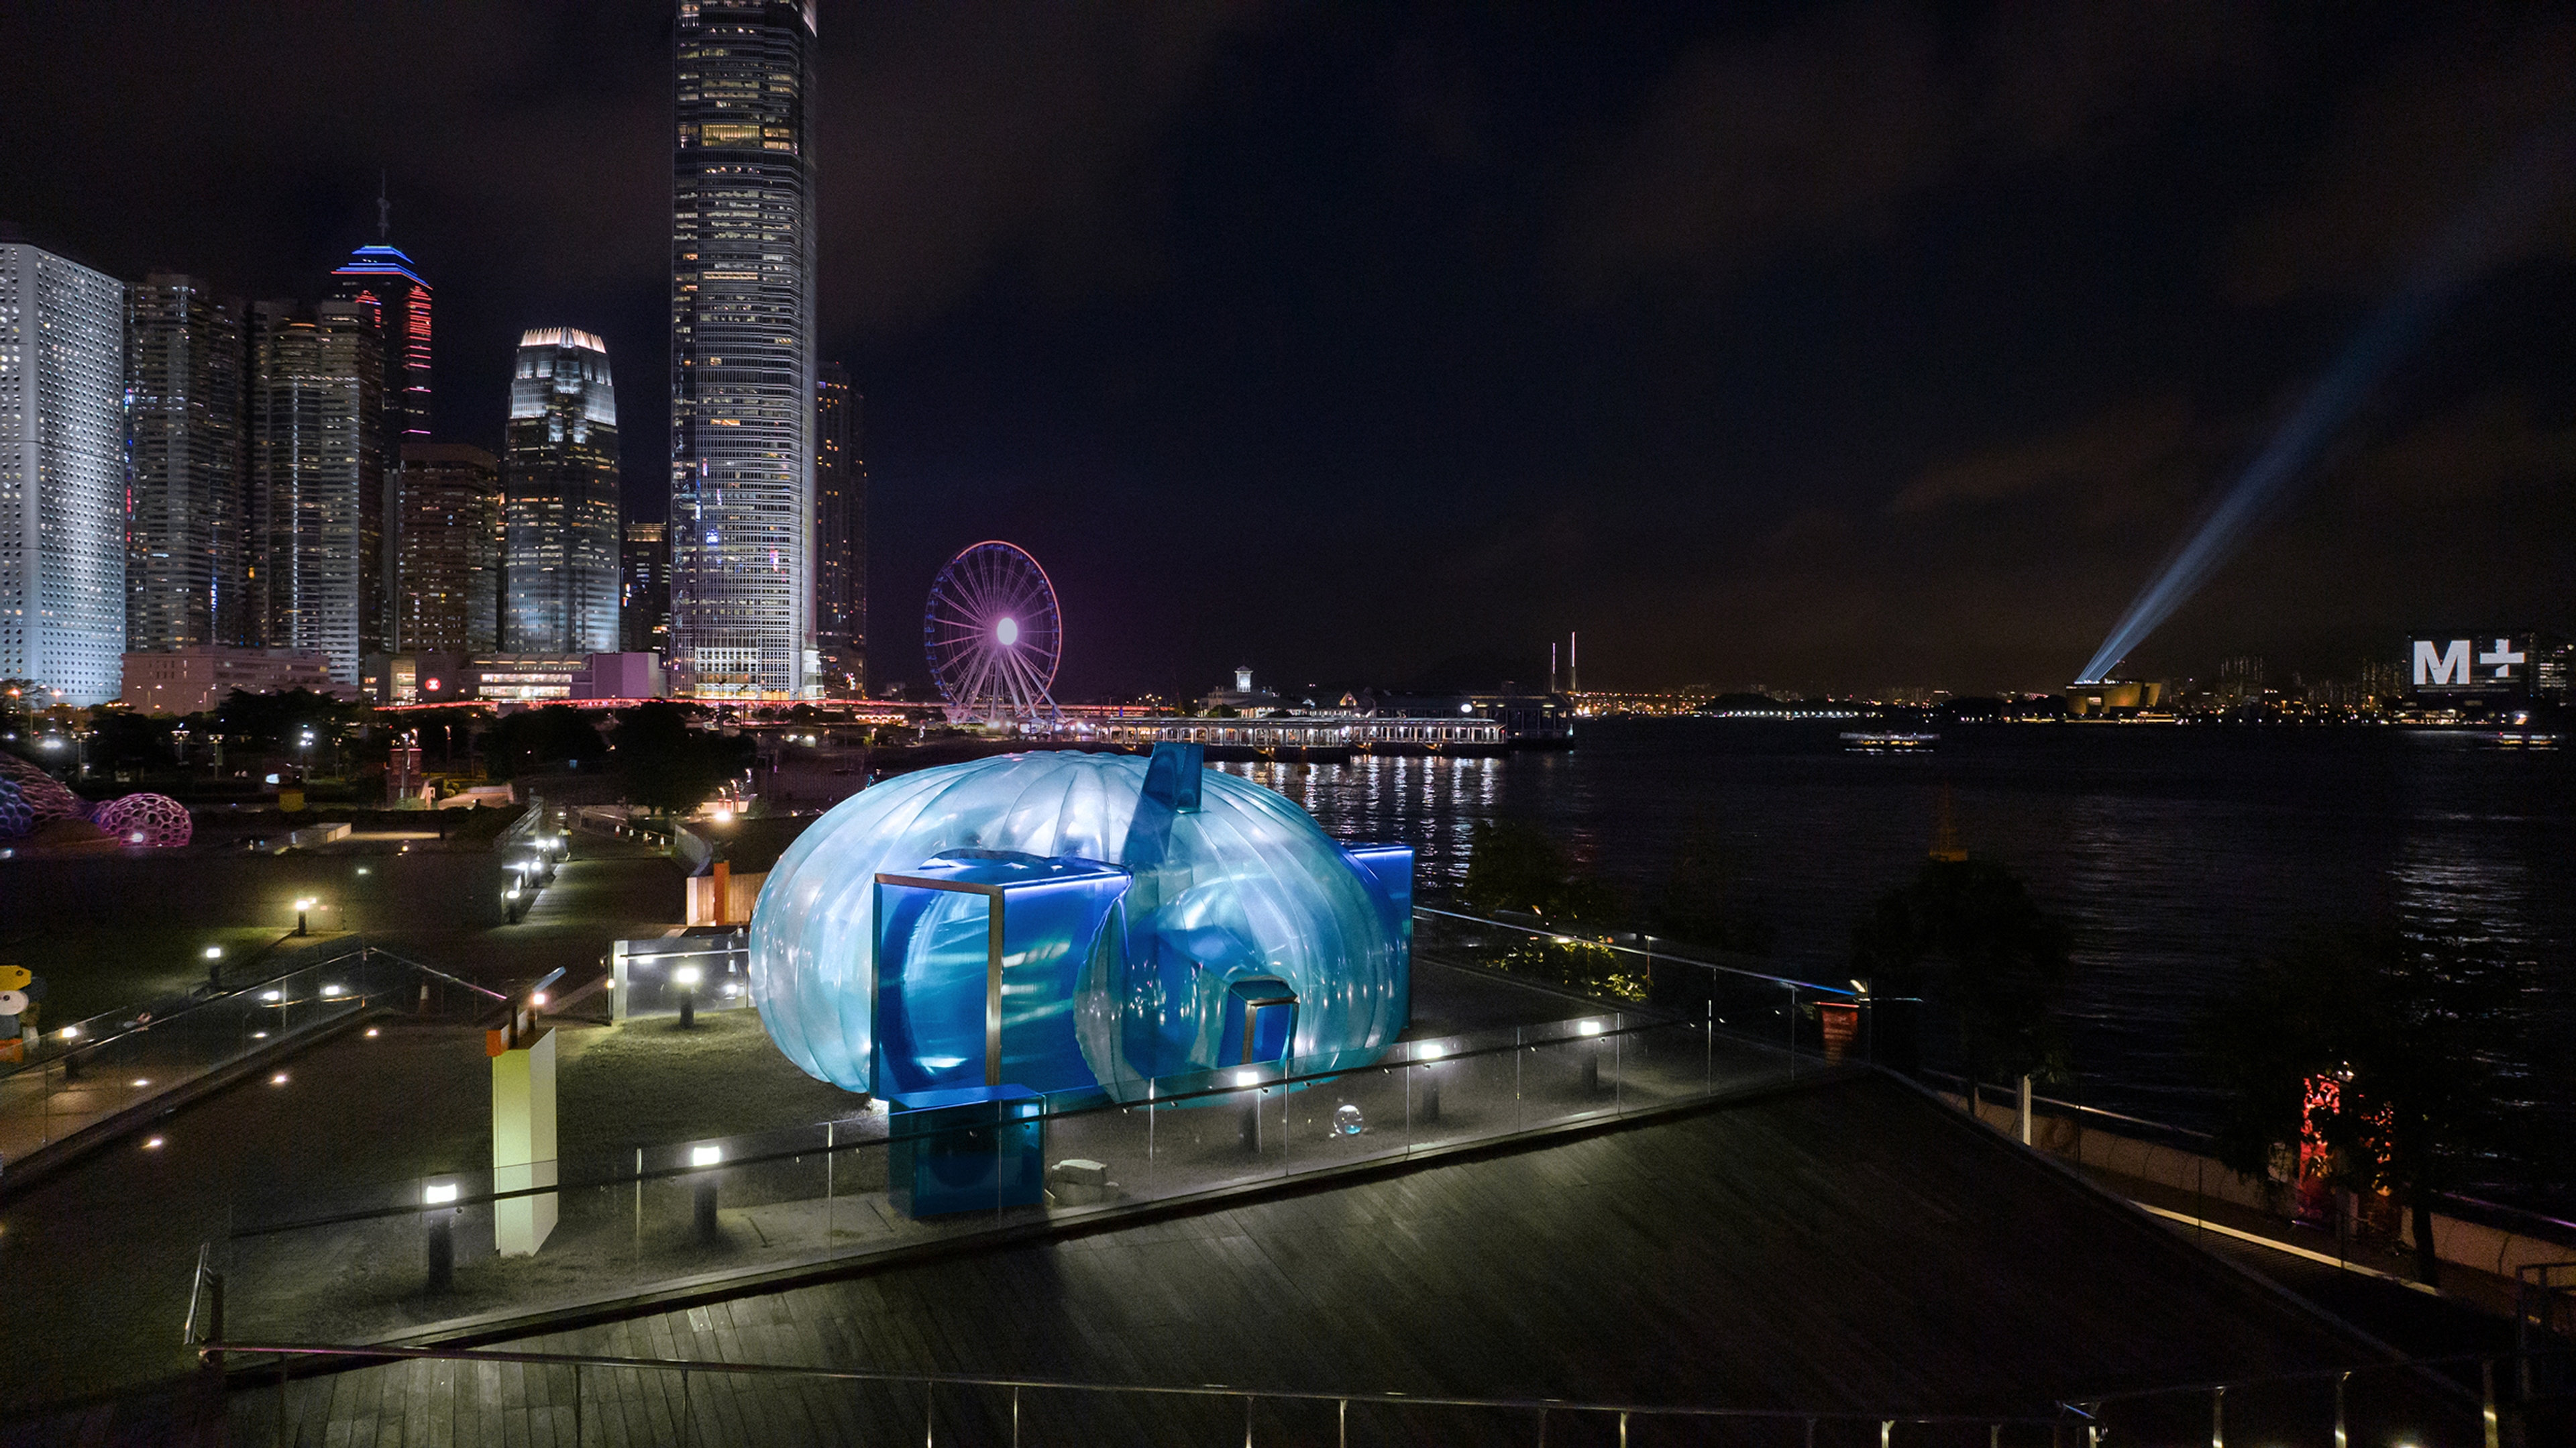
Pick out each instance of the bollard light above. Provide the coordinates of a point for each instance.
(303, 905)
(214, 952)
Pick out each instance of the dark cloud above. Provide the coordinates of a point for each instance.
(1821, 131)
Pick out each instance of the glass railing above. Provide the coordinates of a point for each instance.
(93, 1073)
(425, 1254)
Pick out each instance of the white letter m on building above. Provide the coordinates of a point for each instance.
(2449, 668)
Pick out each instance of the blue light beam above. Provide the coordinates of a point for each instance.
(2526, 181)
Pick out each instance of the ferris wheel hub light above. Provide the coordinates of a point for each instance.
(1008, 631)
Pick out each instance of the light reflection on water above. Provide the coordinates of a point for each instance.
(2176, 855)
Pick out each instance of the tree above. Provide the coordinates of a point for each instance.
(2398, 1025)
(668, 766)
(123, 739)
(1703, 904)
(1966, 936)
(535, 738)
(1514, 865)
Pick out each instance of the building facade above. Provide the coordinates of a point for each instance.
(644, 595)
(62, 474)
(184, 362)
(559, 555)
(389, 287)
(316, 457)
(447, 550)
(742, 349)
(840, 534)
(197, 678)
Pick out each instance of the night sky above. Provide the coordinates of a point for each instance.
(1831, 347)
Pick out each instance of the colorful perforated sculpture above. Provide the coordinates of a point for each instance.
(45, 795)
(1069, 922)
(17, 817)
(153, 820)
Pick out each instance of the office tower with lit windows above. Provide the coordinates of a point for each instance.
(560, 508)
(184, 362)
(742, 349)
(840, 534)
(644, 598)
(315, 457)
(62, 474)
(447, 550)
(383, 283)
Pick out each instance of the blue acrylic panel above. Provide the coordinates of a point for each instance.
(975, 1149)
(1260, 1019)
(1134, 895)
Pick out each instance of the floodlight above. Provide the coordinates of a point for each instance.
(438, 1193)
(705, 1155)
(1587, 1028)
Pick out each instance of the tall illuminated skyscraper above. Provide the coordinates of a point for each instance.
(644, 603)
(184, 569)
(385, 282)
(742, 349)
(560, 505)
(62, 474)
(840, 534)
(316, 457)
(447, 550)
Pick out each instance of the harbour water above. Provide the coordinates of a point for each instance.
(2176, 854)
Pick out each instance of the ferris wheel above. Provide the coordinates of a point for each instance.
(993, 635)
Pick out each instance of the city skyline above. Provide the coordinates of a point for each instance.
(1439, 313)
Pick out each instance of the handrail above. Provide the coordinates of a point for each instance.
(1783, 980)
(481, 990)
(1202, 1390)
(196, 1289)
(1409, 1053)
(83, 1039)
(2039, 1100)
(2306, 1375)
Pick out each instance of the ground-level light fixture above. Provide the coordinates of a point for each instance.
(277, 1080)
(371, 1032)
(152, 1144)
(214, 952)
(335, 990)
(71, 1033)
(272, 995)
(706, 1155)
(1587, 1028)
(302, 905)
(438, 1194)
(536, 998)
(687, 975)
(142, 1080)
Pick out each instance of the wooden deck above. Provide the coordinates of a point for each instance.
(1849, 1247)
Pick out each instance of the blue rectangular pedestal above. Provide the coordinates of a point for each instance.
(972, 1149)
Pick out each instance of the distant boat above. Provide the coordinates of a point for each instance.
(1883, 741)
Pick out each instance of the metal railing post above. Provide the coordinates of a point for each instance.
(576, 1405)
(1793, 1033)
(1015, 1416)
(1341, 1425)
(2486, 1384)
(2218, 1418)
(2341, 1440)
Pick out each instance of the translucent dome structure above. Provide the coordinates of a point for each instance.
(1068, 922)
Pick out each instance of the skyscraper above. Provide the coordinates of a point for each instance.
(840, 534)
(560, 506)
(184, 358)
(62, 473)
(644, 603)
(447, 550)
(742, 349)
(315, 458)
(382, 283)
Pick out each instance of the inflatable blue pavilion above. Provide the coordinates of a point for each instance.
(1062, 922)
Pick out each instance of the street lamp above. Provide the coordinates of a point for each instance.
(687, 978)
(303, 904)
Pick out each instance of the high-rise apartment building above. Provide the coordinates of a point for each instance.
(62, 473)
(560, 506)
(644, 601)
(184, 569)
(316, 457)
(742, 349)
(840, 534)
(447, 551)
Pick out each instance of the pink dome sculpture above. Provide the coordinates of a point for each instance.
(155, 821)
(45, 795)
(16, 817)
